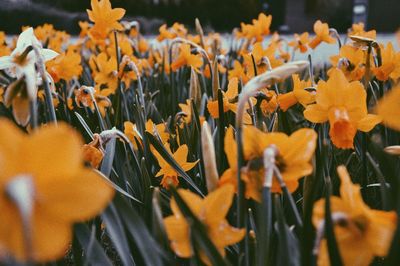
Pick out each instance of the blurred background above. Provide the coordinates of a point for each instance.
(220, 15)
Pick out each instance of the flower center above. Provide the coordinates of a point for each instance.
(342, 130)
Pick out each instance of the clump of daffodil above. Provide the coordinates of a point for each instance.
(211, 211)
(44, 190)
(293, 157)
(361, 232)
(344, 105)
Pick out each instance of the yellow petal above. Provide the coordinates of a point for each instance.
(194, 202)
(368, 122)
(177, 230)
(78, 198)
(217, 204)
(316, 113)
(60, 143)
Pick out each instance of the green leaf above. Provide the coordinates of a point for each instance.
(115, 229)
(94, 253)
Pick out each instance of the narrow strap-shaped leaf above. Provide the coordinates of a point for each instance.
(93, 250)
(115, 230)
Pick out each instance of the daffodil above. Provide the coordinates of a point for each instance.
(44, 190)
(300, 42)
(239, 72)
(168, 173)
(93, 152)
(357, 29)
(344, 105)
(21, 65)
(293, 157)
(186, 58)
(105, 71)
(66, 66)
(258, 29)
(105, 18)
(390, 67)
(322, 34)
(211, 211)
(229, 100)
(159, 130)
(361, 232)
(351, 61)
(389, 108)
(301, 94)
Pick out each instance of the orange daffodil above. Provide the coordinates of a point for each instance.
(105, 18)
(390, 67)
(168, 173)
(51, 190)
(322, 34)
(361, 232)
(344, 105)
(211, 211)
(300, 94)
(186, 58)
(294, 153)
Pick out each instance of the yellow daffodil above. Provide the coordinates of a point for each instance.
(322, 34)
(389, 108)
(186, 58)
(300, 42)
(45, 173)
(300, 94)
(66, 66)
(344, 105)
(361, 232)
(168, 173)
(351, 61)
(211, 211)
(390, 67)
(293, 157)
(105, 18)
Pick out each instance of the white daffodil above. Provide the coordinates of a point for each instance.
(21, 65)
(21, 62)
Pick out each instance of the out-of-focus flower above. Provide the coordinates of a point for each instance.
(105, 71)
(390, 67)
(66, 66)
(322, 34)
(300, 42)
(357, 29)
(105, 18)
(389, 108)
(361, 232)
(45, 189)
(186, 58)
(258, 30)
